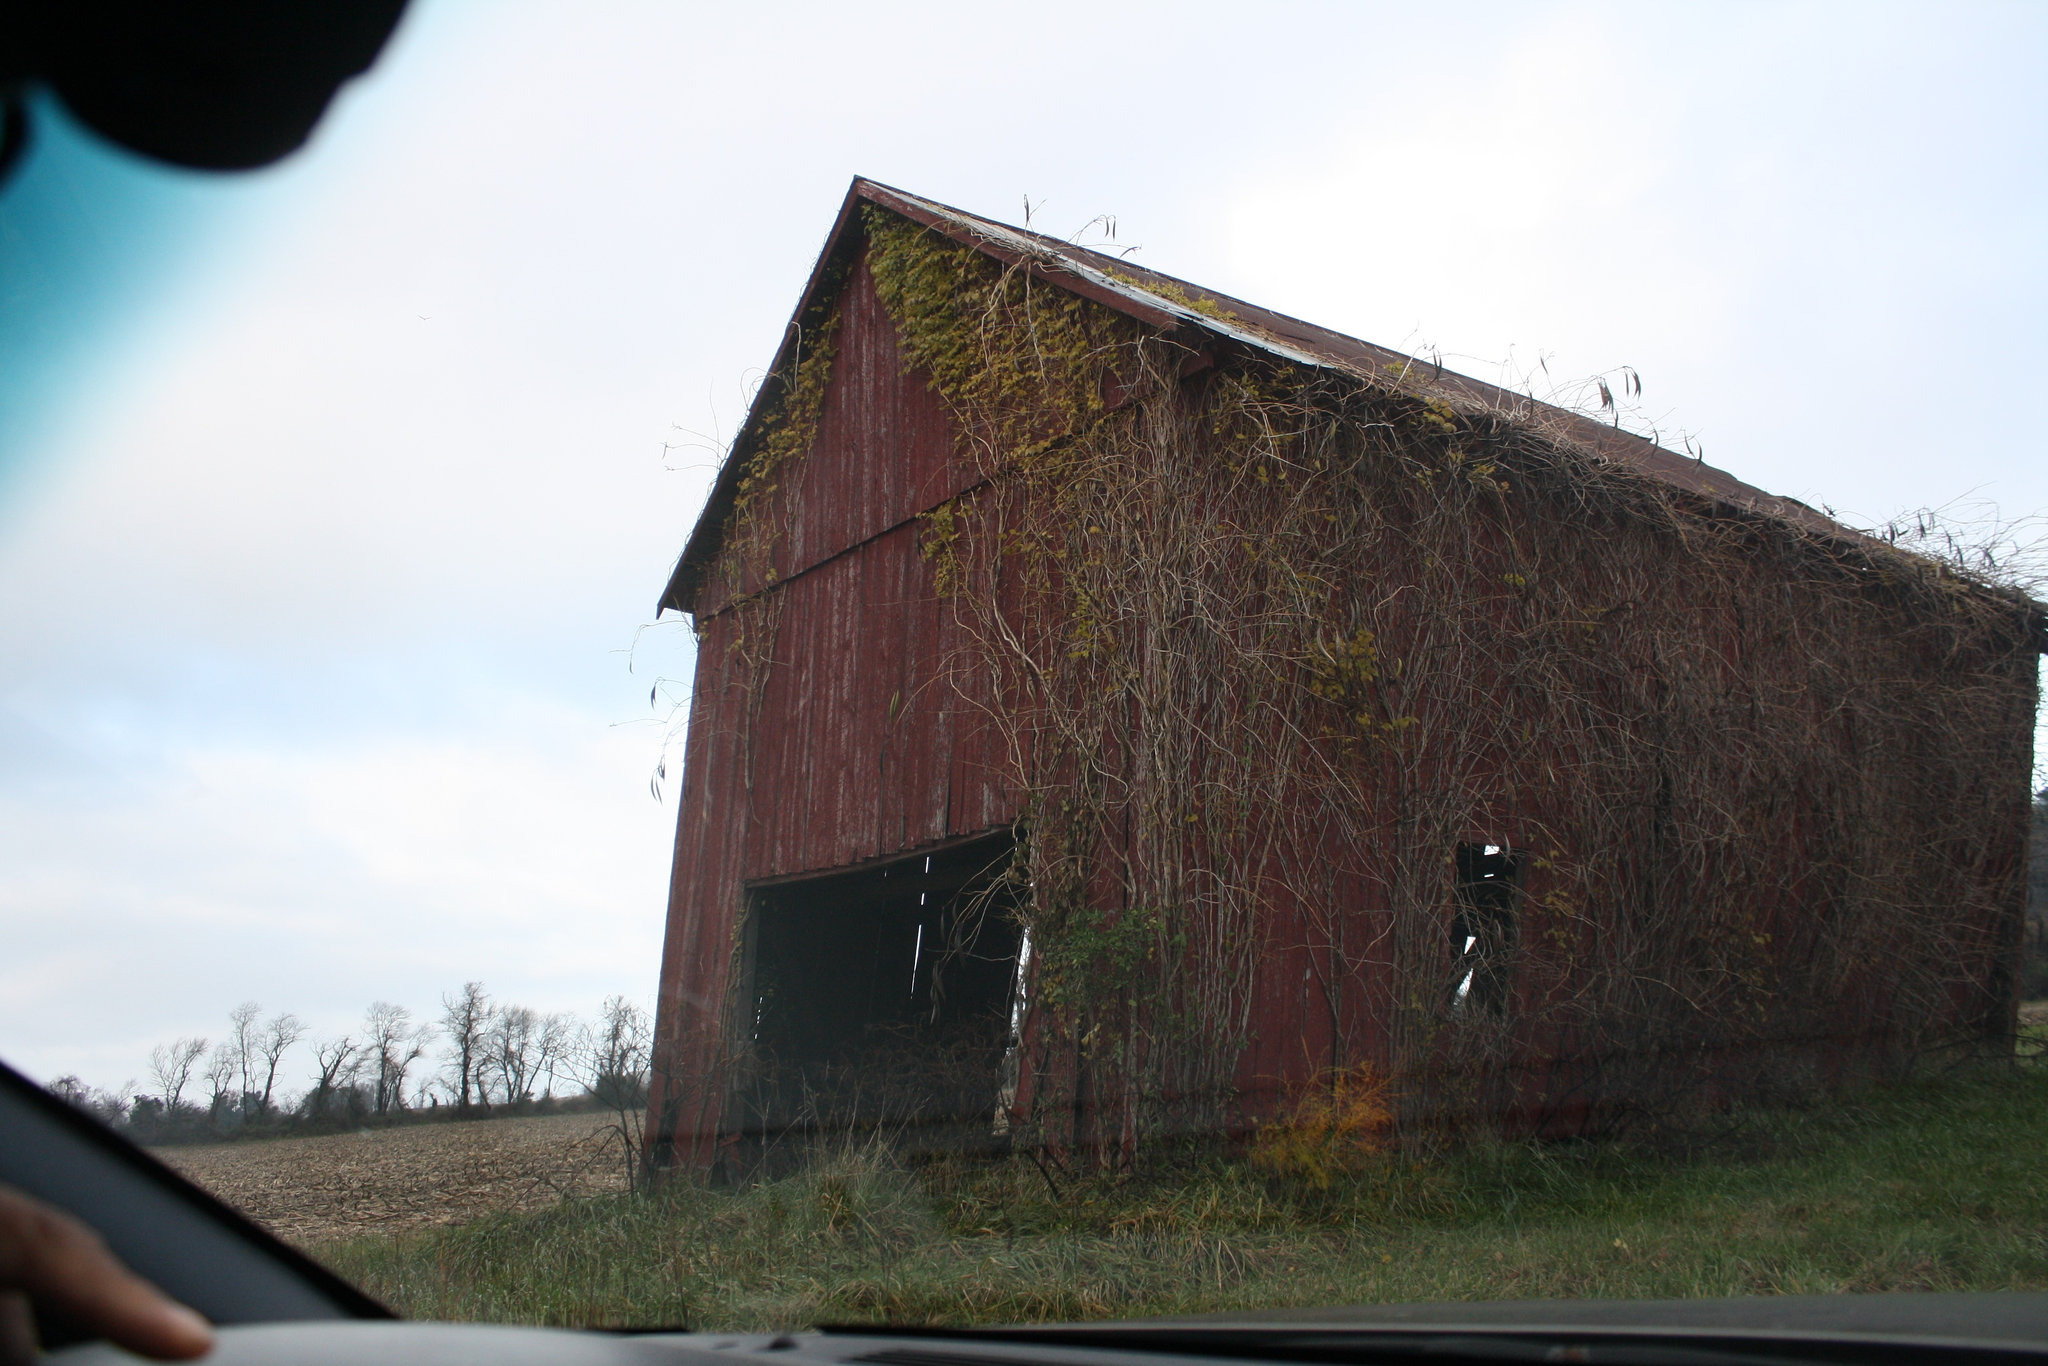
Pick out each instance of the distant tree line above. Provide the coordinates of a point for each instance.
(480, 1059)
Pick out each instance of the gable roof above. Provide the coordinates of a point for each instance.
(1163, 301)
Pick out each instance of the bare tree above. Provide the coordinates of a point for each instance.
(170, 1066)
(108, 1107)
(611, 1060)
(513, 1034)
(395, 1043)
(281, 1033)
(241, 1044)
(465, 1024)
(552, 1047)
(71, 1089)
(221, 1076)
(341, 1063)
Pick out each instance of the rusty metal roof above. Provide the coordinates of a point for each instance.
(1163, 301)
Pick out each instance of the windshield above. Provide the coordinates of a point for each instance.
(1332, 656)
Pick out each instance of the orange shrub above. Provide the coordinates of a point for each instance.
(1335, 1123)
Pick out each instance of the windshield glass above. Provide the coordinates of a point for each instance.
(1330, 656)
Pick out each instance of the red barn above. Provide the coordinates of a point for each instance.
(1121, 710)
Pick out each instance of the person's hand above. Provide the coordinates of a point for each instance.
(50, 1258)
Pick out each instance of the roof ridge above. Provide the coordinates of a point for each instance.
(1123, 286)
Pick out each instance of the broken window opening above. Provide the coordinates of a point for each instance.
(882, 997)
(1483, 928)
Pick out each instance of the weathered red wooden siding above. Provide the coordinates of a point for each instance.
(867, 737)
(859, 744)
(883, 453)
(860, 751)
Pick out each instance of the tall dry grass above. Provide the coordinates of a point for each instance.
(1940, 1185)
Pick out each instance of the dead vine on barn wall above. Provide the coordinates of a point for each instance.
(1266, 645)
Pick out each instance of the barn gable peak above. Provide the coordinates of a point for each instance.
(1166, 302)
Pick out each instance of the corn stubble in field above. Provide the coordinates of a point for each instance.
(1934, 1186)
(312, 1191)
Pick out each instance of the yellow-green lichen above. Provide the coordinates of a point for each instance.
(1019, 361)
(793, 425)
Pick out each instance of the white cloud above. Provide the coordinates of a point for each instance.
(524, 850)
(1778, 215)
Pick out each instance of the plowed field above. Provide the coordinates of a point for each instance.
(316, 1190)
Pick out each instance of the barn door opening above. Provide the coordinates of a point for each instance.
(880, 997)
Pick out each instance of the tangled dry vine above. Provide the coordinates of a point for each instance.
(1265, 644)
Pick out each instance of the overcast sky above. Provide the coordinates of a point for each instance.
(334, 500)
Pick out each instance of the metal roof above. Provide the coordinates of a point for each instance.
(1160, 300)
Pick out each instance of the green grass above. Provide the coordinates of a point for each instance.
(1939, 1185)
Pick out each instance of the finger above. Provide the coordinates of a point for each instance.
(132, 1313)
(18, 1346)
(62, 1263)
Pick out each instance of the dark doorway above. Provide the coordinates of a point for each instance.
(880, 998)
